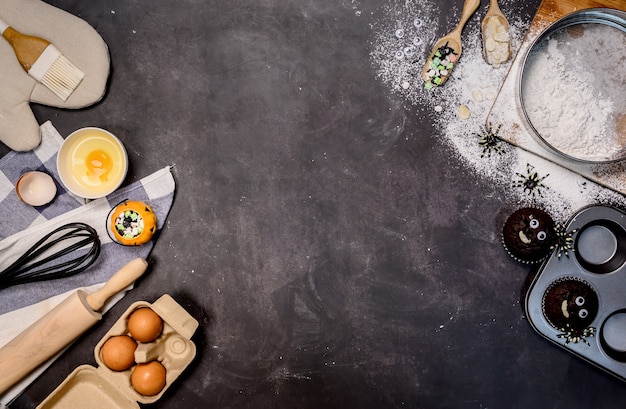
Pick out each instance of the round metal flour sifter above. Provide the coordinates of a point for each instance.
(572, 85)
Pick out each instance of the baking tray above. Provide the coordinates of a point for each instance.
(599, 259)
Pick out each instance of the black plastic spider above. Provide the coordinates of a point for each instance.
(489, 140)
(564, 240)
(531, 182)
(576, 336)
(444, 51)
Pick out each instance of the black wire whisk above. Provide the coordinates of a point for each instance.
(37, 263)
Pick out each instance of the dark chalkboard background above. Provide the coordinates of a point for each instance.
(331, 261)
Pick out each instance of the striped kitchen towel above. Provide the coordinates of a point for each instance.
(22, 225)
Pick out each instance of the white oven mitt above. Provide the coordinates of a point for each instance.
(78, 42)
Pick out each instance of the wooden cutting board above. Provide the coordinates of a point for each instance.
(515, 130)
(551, 10)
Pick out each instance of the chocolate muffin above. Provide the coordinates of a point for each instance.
(529, 235)
(570, 304)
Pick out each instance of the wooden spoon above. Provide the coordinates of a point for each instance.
(496, 39)
(451, 45)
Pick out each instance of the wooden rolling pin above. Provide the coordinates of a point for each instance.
(60, 326)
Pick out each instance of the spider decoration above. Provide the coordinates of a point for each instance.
(489, 140)
(564, 240)
(531, 182)
(576, 336)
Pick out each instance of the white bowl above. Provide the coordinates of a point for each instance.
(92, 163)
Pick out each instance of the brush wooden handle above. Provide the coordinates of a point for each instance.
(27, 48)
(60, 327)
(43, 61)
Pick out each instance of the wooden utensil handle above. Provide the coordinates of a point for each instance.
(60, 326)
(46, 337)
(120, 280)
(494, 8)
(469, 7)
(27, 48)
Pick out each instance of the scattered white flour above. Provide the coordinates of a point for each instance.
(565, 102)
(355, 7)
(473, 83)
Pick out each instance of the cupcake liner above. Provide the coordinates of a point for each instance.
(521, 260)
(536, 249)
(569, 323)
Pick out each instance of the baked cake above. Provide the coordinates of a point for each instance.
(570, 304)
(529, 235)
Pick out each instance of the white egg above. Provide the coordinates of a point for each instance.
(36, 188)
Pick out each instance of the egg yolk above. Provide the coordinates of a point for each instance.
(99, 164)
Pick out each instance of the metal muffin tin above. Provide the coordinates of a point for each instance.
(599, 258)
(605, 17)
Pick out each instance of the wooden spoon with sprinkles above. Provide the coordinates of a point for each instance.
(447, 50)
(496, 39)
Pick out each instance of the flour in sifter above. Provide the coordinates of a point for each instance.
(567, 96)
(475, 84)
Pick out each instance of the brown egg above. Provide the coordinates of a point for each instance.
(145, 325)
(118, 352)
(148, 378)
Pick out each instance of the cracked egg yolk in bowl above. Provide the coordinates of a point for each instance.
(92, 163)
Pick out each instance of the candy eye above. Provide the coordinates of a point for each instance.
(534, 223)
(542, 235)
(399, 33)
(583, 313)
(580, 300)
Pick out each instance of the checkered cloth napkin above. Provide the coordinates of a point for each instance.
(22, 225)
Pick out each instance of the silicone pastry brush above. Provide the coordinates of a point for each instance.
(43, 61)
(447, 50)
(495, 33)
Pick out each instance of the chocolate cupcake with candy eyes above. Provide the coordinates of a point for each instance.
(529, 235)
(570, 304)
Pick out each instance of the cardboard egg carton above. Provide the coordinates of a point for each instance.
(99, 387)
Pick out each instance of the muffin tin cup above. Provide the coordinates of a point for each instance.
(100, 387)
(599, 259)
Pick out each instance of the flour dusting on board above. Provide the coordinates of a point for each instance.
(403, 36)
(567, 100)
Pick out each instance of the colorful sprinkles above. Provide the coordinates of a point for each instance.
(441, 65)
(129, 224)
